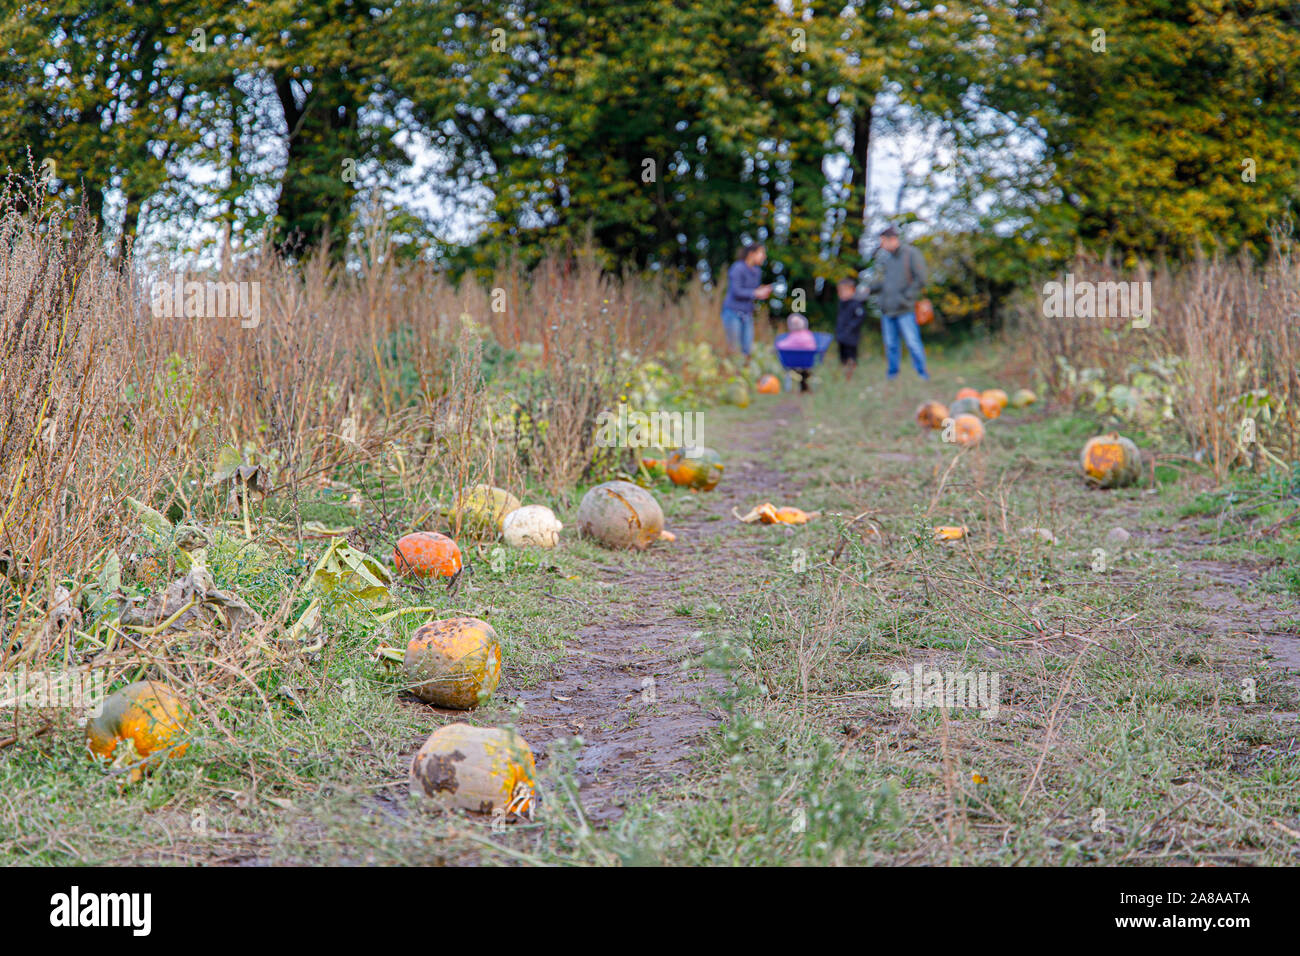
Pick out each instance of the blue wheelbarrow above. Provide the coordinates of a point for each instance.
(802, 360)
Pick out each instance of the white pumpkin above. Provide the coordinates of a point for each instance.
(532, 526)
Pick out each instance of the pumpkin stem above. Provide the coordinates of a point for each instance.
(386, 653)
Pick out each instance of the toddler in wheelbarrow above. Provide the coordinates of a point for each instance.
(800, 350)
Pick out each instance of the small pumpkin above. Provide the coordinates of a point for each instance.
(699, 468)
(989, 406)
(619, 515)
(994, 395)
(482, 509)
(736, 393)
(532, 526)
(655, 461)
(931, 415)
(480, 769)
(968, 392)
(967, 430)
(427, 554)
(1023, 398)
(1111, 461)
(769, 385)
(453, 663)
(148, 714)
(966, 406)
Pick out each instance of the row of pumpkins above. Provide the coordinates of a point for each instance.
(1109, 461)
(456, 663)
(968, 411)
(453, 663)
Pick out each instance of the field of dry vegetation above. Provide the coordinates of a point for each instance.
(365, 397)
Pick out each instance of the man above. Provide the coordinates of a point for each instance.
(849, 318)
(744, 285)
(901, 278)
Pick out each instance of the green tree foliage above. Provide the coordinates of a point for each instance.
(669, 131)
(1151, 113)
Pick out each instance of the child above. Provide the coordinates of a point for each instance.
(799, 337)
(848, 324)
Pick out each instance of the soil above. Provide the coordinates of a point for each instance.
(621, 686)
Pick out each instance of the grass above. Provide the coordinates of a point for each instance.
(1135, 725)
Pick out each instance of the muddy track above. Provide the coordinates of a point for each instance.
(621, 686)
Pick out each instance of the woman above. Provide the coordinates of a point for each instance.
(744, 285)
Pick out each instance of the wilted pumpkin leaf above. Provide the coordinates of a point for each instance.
(107, 582)
(158, 527)
(354, 575)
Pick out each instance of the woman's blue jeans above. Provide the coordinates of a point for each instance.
(740, 330)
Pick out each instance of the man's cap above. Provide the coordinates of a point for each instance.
(889, 231)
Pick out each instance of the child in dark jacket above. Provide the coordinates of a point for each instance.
(849, 319)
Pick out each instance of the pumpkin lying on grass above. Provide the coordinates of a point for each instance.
(931, 415)
(992, 402)
(427, 554)
(451, 663)
(1111, 461)
(966, 406)
(655, 462)
(769, 385)
(968, 392)
(481, 769)
(143, 722)
(532, 526)
(620, 514)
(1023, 398)
(736, 393)
(482, 509)
(967, 430)
(699, 468)
(949, 532)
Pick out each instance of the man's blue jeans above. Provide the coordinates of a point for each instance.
(892, 327)
(740, 330)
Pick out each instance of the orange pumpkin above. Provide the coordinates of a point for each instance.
(967, 430)
(698, 468)
(453, 663)
(995, 395)
(989, 406)
(769, 385)
(427, 554)
(931, 414)
(147, 713)
(1111, 461)
(968, 393)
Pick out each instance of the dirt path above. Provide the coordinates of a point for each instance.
(622, 687)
